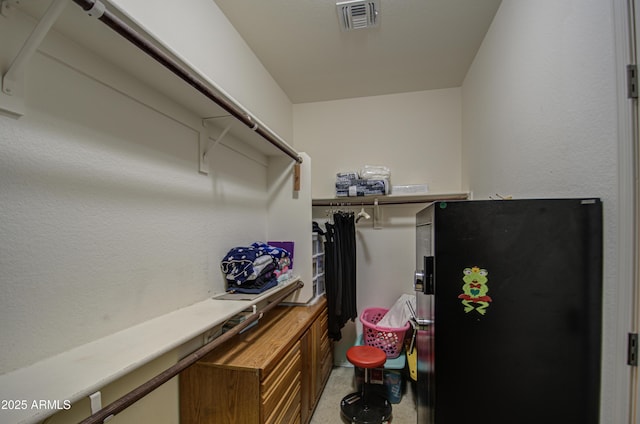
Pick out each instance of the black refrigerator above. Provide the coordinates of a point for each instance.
(509, 309)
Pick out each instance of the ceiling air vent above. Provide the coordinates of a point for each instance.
(357, 14)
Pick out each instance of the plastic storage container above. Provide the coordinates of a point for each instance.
(318, 266)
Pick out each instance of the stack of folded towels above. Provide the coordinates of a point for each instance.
(255, 268)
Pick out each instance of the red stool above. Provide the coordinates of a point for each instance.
(364, 407)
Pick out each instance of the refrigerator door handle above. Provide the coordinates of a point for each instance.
(428, 275)
(418, 281)
(424, 323)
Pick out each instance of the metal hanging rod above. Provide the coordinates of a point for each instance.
(389, 200)
(97, 9)
(141, 391)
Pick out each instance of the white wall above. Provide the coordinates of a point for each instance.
(418, 136)
(199, 33)
(106, 221)
(539, 120)
(282, 213)
(88, 207)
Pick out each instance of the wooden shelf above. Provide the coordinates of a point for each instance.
(389, 200)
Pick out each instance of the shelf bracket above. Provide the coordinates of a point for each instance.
(377, 215)
(96, 404)
(6, 6)
(207, 143)
(12, 95)
(96, 401)
(296, 177)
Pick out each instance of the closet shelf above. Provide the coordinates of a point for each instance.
(81, 371)
(389, 200)
(133, 49)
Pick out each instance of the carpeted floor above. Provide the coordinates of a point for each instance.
(341, 383)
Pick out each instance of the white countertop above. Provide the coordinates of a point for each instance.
(86, 369)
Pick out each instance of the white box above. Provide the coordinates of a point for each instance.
(410, 189)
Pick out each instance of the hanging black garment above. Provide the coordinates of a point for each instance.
(315, 227)
(331, 282)
(340, 272)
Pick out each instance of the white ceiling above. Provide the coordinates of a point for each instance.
(418, 45)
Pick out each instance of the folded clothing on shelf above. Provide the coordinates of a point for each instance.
(371, 181)
(375, 172)
(255, 268)
(347, 176)
(362, 187)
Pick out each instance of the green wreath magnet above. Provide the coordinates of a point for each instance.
(475, 290)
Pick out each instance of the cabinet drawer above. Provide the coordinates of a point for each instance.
(280, 393)
(284, 363)
(324, 323)
(280, 382)
(288, 410)
(325, 345)
(325, 351)
(325, 367)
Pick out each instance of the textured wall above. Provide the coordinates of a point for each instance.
(418, 136)
(539, 120)
(106, 221)
(200, 34)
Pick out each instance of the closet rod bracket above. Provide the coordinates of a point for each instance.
(95, 400)
(7, 6)
(97, 10)
(12, 100)
(377, 215)
(207, 143)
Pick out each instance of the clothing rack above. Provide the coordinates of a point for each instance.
(388, 200)
(376, 202)
(97, 9)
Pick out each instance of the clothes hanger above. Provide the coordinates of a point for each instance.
(362, 214)
(333, 209)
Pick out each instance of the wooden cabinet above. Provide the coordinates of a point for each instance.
(318, 359)
(272, 374)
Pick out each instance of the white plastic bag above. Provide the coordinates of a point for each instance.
(399, 313)
(374, 172)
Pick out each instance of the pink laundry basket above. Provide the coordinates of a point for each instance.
(388, 339)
